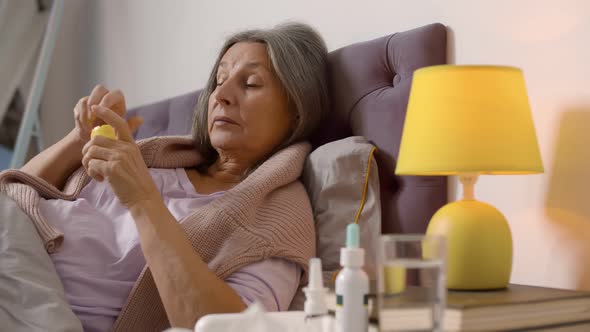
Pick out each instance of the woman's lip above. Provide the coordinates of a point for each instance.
(224, 119)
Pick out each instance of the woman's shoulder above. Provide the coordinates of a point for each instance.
(287, 208)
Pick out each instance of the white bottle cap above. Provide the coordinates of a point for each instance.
(315, 293)
(352, 255)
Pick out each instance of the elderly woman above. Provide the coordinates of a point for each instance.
(167, 230)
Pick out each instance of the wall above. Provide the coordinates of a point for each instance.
(73, 69)
(154, 49)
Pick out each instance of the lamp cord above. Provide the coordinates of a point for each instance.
(363, 199)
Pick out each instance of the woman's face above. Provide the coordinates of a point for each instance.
(249, 109)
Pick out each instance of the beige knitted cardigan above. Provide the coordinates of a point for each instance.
(266, 215)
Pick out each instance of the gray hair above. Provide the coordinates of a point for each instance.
(298, 56)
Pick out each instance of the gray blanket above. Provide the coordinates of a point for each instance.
(31, 294)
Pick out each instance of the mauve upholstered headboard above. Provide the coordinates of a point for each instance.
(369, 85)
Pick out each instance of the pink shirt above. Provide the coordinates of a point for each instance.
(101, 257)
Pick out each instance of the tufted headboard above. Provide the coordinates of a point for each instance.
(369, 85)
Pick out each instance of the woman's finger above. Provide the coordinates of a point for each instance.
(95, 169)
(96, 152)
(114, 100)
(96, 95)
(81, 113)
(101, 141)
(80, 125)
(114, 120)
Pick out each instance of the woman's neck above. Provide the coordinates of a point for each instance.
(229, 170)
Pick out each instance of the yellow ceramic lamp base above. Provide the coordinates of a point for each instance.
(479, 254)
(394, 278)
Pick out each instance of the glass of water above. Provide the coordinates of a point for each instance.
(411, 282)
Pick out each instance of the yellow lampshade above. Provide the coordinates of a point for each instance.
(468, 119)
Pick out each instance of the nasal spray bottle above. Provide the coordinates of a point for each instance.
(315, 298)
(315, 292)
(352, 285)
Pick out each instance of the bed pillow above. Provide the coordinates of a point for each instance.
(335, 176)
(31, 294)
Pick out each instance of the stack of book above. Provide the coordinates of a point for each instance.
(516, 307)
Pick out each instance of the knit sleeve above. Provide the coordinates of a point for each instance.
(73, 186)
(27, 200)
(26, 190)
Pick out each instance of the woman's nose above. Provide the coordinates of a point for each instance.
(223, 94)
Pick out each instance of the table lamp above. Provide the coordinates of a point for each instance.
(467, 121)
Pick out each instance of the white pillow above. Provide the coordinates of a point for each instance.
(334, 176)
(31, 293)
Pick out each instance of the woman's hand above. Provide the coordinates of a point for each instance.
(101, 96)
(119, 161)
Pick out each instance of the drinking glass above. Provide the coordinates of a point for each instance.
(411, 291)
